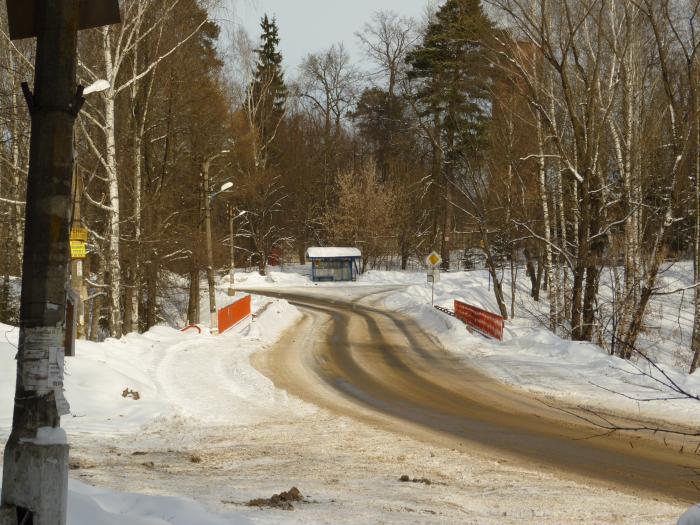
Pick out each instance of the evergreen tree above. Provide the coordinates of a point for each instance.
(268, 94)
(453, 74)
(380, 118)
(452, 63)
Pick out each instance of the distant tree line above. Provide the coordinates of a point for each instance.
(560, 135)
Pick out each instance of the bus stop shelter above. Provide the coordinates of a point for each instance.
(334, 264)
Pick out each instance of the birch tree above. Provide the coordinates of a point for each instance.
(119, 49)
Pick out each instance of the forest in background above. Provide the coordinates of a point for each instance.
(558, 135)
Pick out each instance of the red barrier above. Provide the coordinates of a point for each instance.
(485, 322)
(234, 314)
(192, 327)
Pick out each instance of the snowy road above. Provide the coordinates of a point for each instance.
(365, 362)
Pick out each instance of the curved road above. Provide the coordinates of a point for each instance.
(379, 366)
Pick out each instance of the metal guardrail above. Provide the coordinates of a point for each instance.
(445, 310)
(490, 333)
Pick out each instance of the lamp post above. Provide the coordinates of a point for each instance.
(232, 240)
(208, 197)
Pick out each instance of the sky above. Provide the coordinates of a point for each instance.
(307, 26)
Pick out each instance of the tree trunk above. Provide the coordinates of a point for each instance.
(532, 274)
(544, 202)
(114, 228)
(152, 294)
(193, 302)
(493, 271)
(447, 227)
(581, 225)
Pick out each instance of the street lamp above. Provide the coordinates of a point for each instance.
(207, 196)
(232, 238)
(96, 87)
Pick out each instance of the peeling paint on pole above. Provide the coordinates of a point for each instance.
(43, 364)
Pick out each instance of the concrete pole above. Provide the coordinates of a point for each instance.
(35, 473)
(232, 237)
(213, 317)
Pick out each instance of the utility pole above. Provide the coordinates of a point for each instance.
(213, 318)
(232, 239)
(78, 263)
(208, 196)
(35, 476)
(35, 468)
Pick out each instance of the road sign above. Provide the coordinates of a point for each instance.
(78, 234)
(433, 260)
(21, 15)
(78, 250)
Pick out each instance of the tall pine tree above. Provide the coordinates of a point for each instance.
(268, 94)
(452, 62)
(453, 75)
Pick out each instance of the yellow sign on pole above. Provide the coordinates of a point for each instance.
(78, 250)
(78, 234)
(433, 260)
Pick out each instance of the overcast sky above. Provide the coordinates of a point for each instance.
(308, 26)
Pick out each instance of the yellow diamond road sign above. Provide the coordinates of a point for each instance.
(433, 260)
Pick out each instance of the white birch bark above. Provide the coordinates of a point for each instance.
(544, 202)
(114, 234)
(119, 43)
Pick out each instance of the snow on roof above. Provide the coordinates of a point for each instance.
(330, 252)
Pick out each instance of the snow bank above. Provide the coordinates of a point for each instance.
(691, 516)
(162, 379)
(169, 372)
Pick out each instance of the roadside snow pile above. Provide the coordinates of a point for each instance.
(691, 516)
(161, 380)
(273, 278)
(170, 372)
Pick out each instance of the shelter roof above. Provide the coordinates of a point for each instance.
(332, 253)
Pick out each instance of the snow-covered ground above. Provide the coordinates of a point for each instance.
(209, 432)
(169, 371)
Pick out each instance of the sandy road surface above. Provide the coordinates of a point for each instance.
(367, 363)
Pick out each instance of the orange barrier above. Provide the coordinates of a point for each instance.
(482, 321)
(234, 314)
